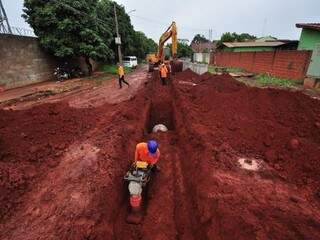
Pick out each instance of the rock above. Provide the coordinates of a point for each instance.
(309, 82)
(293, 144)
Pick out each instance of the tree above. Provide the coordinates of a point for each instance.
(142, 45)
(234, 37)
(199, 39)
(68, 28)
(105, 12)
(133, 42)
(184, 50)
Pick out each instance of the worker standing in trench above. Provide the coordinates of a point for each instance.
(163, 73)
(121, 76)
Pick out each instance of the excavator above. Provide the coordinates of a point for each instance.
(155, 59)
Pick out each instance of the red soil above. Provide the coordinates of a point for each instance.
(69, 165)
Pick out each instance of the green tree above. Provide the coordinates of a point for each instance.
(234, 37)
(68, 28)
(105, 12)
(184, 50)
(142, 45)
(199, 39)
(133, 42)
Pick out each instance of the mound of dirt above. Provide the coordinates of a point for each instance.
(64, 167)
(276, 125)
(32, 141)
(226, 121)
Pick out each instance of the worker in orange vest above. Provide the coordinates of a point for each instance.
(147, 152)
(163, 73)
(147, 155)
(121, 76)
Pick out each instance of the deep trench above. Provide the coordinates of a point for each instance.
(160, 108)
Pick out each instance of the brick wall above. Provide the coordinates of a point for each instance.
(289, 64)
(23, 62)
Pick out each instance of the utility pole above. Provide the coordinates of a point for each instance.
(118, 38)
(3, 20)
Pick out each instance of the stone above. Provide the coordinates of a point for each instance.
(309, 82)
(294, 144)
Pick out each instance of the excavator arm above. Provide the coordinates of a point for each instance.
(171, 32)
(155, 59)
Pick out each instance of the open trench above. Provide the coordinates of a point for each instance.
(169, 211)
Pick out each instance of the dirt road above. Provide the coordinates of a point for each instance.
(237, 162)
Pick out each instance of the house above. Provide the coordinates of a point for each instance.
(310, 35)
(310, 40)
(260, 45)
(205, 47)
(203, 51)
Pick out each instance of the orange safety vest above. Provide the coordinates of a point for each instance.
(163, 71)
(120, 71)
(142, 154)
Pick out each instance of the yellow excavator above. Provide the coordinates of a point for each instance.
(155, 59)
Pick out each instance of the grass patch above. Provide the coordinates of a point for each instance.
(234, 70)
(216, 69)
(267, 80)
(211, 69)
(113, 69)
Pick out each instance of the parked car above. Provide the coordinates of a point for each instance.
(130, 61)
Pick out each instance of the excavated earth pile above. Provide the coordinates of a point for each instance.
(236, 163)
(228, 122)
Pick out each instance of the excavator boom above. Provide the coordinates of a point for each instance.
(155, 59)
(171, 32)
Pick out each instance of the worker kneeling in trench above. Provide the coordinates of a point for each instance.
(145, 162)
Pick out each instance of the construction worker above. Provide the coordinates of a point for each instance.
(121, 76)
(163, 73)
(148, 153)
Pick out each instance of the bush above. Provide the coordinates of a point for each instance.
(267, 80)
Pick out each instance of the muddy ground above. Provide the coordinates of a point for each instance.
(236, 163)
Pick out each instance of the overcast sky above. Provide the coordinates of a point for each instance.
(258, 17)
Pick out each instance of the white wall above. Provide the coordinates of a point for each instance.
(201, 57)
(195, 67)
